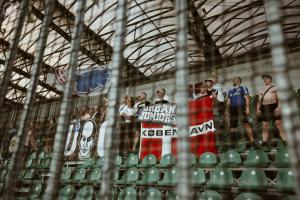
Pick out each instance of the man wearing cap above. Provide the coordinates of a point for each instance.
(239, 108)
(161, 96)
(268, 108)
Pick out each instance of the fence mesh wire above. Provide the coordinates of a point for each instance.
(160, 99)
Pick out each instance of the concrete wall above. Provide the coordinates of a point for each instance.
(249, 72)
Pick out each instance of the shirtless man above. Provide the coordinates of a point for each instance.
(268, 108)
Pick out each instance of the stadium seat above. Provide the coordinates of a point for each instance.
(253, 179)
(207, 159)
(85, 193)
(150, 177)
(130, 176)
(29, 163)
(198, 177)
(257, 158)
(66, 193)
(148, 161)
(33, 155)
(248, 196)
(171, 195)
(116, 174)
(127, 194)
(132, 160)
(210, 195)
(285, 180)
(79, 175)
(151, 194)
(29, 174)
(66, 174)
(95, 175)
(221, 178)
(170, 178)
(230, 158)
(118, 161)
(240, 147)
(89, 162)
(36, 191)
(167, 160)
(3, 174)
(282, 158)
(21, 174)
(99, 162)
(44, 163)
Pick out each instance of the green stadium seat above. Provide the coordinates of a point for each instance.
(198, 177)
(3, 174)
(29, 163)
(29, 174)
(127, 194)
(210, 195)
(171, 195)
(95, 176)
(193, 160)
(221, 178)
(116, 174)
(248, 196)
(44, 163)
(33, 155)
(36, 191)
(285, 180)
(170, 178)
(253, 179)
(85, 193)
(66, 193)
(207, 159)
(150, 177)
(257, 158)
(240, 147)
(118, 161)
(89, 162)
(282, 158)
(132, 160)
(167, 160)
(66, 174)
(79, 175)
(230, 158)
(99, 162)
(148, 161)
(21, 174)
(151, 194)
(130, 176)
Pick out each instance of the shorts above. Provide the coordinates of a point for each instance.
(237, 114)
(268, 112)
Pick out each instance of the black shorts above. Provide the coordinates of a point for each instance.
(237, 114)
(268, 112)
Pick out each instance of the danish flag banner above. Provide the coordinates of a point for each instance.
(159, 139)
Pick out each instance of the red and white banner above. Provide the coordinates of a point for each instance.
(159, 139)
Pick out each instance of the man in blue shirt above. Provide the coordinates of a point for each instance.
(238, 100)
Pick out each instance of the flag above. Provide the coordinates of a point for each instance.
(159, 139)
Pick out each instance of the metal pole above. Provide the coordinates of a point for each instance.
(18, 157)
(288, 103)
(114, 98)
(66, 107)
(12, 52)
(182, 120)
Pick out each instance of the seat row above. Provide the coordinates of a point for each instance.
(231, 158)
(222, 178)
(87, 192)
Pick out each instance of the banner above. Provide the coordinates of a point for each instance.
(92, 81)
(160, 139)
